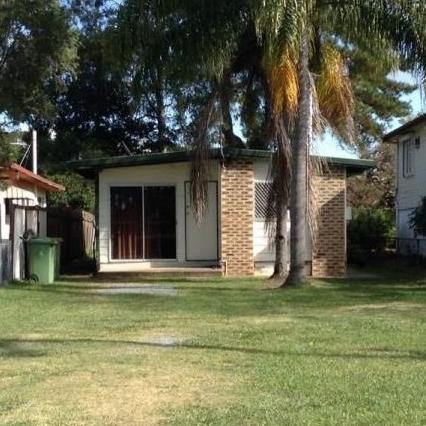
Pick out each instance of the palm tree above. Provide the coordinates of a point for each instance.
(291, 48)
(395, 29)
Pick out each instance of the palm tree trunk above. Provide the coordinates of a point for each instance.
(298, 190)
(280, 265)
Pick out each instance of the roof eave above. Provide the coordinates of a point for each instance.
(405, 129)
(90, 168)
(17, 173)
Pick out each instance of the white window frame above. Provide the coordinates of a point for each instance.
(408, 147)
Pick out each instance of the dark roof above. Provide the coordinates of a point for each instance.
(404, 128)
(90, 166)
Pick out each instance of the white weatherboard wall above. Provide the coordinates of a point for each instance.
(32, 194)
(202, 237)
(410, 189)
(172, 174)
(23, 191)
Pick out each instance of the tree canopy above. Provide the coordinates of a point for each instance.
(100, 78)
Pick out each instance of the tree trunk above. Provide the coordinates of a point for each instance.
(298, 190)
(160, 110)
(231, 139)
(280, 265)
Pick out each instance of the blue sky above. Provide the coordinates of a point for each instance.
(329, 146)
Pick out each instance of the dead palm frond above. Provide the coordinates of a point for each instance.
(334, 92)
(316, 164)
(283, 86)
(282, 94)
(279, 173)
(200, 158)
(279, 195)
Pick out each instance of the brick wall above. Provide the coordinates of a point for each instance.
(329, 254)
(237, 215)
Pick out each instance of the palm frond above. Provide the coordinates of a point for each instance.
(334, 92)
(200, 159)
(279, 172)
(283, 85)
(398, 24)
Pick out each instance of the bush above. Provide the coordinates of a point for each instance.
(369, 233)
(79, 192)
(418, 218)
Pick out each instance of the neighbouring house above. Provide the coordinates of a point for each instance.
(410, 164)
(145, 217)
(22, 209)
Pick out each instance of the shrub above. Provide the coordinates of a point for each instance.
(418, 218)
(368, 233)
(79, 192)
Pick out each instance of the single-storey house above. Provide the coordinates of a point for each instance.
(22, 194)
(410, 171)
(145, 218)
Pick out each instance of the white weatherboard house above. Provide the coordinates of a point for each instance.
(22, 199)
(410, 140)
(145, 217)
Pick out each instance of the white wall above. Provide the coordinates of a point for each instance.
(174, 174)
(22, 218)
(13, 191)
(410, 189)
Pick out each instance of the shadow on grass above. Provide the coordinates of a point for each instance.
(148, 279)
(20, 348)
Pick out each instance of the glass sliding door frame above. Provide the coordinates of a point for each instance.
(143, 223)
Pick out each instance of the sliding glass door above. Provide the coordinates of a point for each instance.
(143, 222)
(126, 223)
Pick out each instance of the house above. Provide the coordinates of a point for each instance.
(410, 141)
(22, 199)
(145, 217)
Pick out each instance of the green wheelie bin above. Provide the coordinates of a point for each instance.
(43, 259)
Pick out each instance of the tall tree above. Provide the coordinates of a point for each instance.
(397, 30)
(294, 51)
(37, 52)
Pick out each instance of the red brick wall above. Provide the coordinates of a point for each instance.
(329, 253)
(237, 215)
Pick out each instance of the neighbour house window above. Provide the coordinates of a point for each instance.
(7, 202)
(408, 157)
(261, 196)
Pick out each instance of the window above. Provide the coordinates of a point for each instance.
(261, 196)
(143, 222)
(408, 157)
(7, 203)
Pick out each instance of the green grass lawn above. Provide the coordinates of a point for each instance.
(221, 352)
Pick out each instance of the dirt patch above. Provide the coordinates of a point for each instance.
(392, 306)
(115, 397)
(135, 289)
